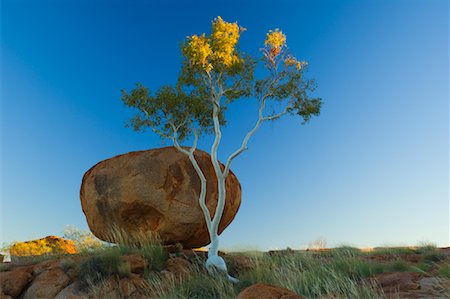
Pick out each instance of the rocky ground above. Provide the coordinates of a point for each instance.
(404, 275)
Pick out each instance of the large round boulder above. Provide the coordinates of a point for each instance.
(154, 191)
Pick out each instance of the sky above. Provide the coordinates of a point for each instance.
(371, 170)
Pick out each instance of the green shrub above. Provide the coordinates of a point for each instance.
(198, 285)
(393, 250)
(98, 267)
(67, 264)
(398, 266)
(444, 270)
(433, 256)
(425, 248)
(313, 277)
(422, 267)
(346, 251)
(155, 254)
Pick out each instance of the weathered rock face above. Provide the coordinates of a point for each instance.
(154, 191)
(49, 245)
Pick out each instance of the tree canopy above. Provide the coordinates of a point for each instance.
(215, 72)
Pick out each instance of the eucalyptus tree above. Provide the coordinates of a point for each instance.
(214, 74)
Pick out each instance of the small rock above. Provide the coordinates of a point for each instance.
(398, 281)
(47, 284)
(72, 291)
(238, 263)
(178, 266)
(137, 262)
(13, 283)
(265, 291)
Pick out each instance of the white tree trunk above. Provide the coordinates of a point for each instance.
(215, 263)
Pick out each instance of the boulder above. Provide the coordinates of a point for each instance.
(23, 251)
(13, 283)
(48, 284)
(154, 191)
(265, 291)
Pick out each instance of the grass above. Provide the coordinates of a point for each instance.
(444, 271)
(97, 268)
(315, 277)
(3, 267)
(425, 248)
(342, 272)
(398, 266)
(393, 250)
(305, 273)
(198, 285)
(433, 256)
(67, 264)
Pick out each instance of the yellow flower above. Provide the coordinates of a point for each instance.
(275, 40)
(292, 61)
(224, 38)
(198, 51)
(218, 49)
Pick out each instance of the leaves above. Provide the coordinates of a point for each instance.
(214, 68)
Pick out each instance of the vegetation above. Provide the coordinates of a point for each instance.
(444, 270)
(433, 256)
(343, 272)
(215, 73)
(100, 266)
(84, 240)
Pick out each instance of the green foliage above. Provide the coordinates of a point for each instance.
(423, 268)
(98, 267)
(433, 256)
(398, 266)
(155, 254)
(343, 251)
(393, 250)
(67, 264)
(425, 248)
(313, 276)
(444, 270)
(213, 68)
(169, 107)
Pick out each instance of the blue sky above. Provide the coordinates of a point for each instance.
(371, 170)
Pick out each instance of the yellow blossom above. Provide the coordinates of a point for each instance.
(292, 61)
(198, 51)
(275, 40)
(224, 38)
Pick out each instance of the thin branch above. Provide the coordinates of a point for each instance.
(275, 116)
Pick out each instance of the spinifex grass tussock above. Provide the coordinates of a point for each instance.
(98, 267)
(199, 284)
(425, 248)
(314, 276)
(67, 264)
(433, 256)
(147, 244)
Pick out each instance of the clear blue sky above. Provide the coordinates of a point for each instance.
(372, 169)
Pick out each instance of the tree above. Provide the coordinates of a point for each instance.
(214, 74)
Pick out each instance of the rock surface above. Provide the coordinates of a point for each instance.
(48, 245)
(265, 291)
(47, 284)
(13, 283)
(154, 191)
